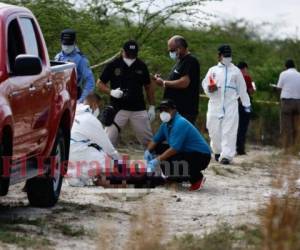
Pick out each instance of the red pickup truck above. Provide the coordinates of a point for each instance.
(37, 108)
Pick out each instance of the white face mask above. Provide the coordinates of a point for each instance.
(68, 49)
(96, 112)
(128, 61)
(226, 61)
(165, 116)
(173, 55)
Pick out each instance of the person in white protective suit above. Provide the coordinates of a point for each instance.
(224, 84)
(90, 150)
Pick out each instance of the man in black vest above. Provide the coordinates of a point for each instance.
(128, 76)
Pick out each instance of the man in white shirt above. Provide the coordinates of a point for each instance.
(91, 152)
(289, 83)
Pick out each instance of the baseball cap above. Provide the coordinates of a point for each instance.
(166, 104)
(225, 50)
(131, 48)
(68, 37)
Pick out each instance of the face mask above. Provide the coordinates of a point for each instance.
(96, 112)
(128, 61)
(173, 55)
(226, 61)
(165, 116)
(68, 49)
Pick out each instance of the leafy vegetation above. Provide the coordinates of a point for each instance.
(103, 26)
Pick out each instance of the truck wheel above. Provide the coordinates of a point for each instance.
(44, 191)
(4, 181)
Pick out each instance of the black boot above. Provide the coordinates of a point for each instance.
(217, 157)
(225, 161)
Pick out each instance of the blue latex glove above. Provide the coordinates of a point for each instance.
(152, 165)
(247, 109)
(148, 156)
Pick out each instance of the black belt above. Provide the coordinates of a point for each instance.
(96, 146)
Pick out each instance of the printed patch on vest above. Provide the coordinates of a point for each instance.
(139, 72)
(118, 72)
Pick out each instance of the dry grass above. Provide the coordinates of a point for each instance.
(147, 229)
(281, 224)
(281, 219)
(106, 233)
(279, 228)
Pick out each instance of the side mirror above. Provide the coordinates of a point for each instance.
(26, 65)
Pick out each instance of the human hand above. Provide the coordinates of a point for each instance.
(151, 166)
(148, 156)
(158, 80)
(247, 109)
(116, 93)
(151, 113)
(212, 88)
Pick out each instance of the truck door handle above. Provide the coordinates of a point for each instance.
(49, 83)
(16, 93)
(32, 89)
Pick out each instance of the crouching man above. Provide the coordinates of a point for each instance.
(185, 145)
(91, 152)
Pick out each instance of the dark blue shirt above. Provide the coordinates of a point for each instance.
(182, 136)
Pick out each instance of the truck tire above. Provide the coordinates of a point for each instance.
(4, 181)
(44, 191)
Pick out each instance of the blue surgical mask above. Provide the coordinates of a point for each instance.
(173, 55)
(68, 49)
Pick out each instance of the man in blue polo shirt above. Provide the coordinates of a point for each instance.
(185, 144)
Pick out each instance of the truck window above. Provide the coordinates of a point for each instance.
(15, 43)
(29, 35)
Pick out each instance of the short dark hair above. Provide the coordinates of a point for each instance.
(289, 64)
(94, 97)
(181, 42)
(242, 65)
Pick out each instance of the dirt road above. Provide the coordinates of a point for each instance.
(98, 218)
